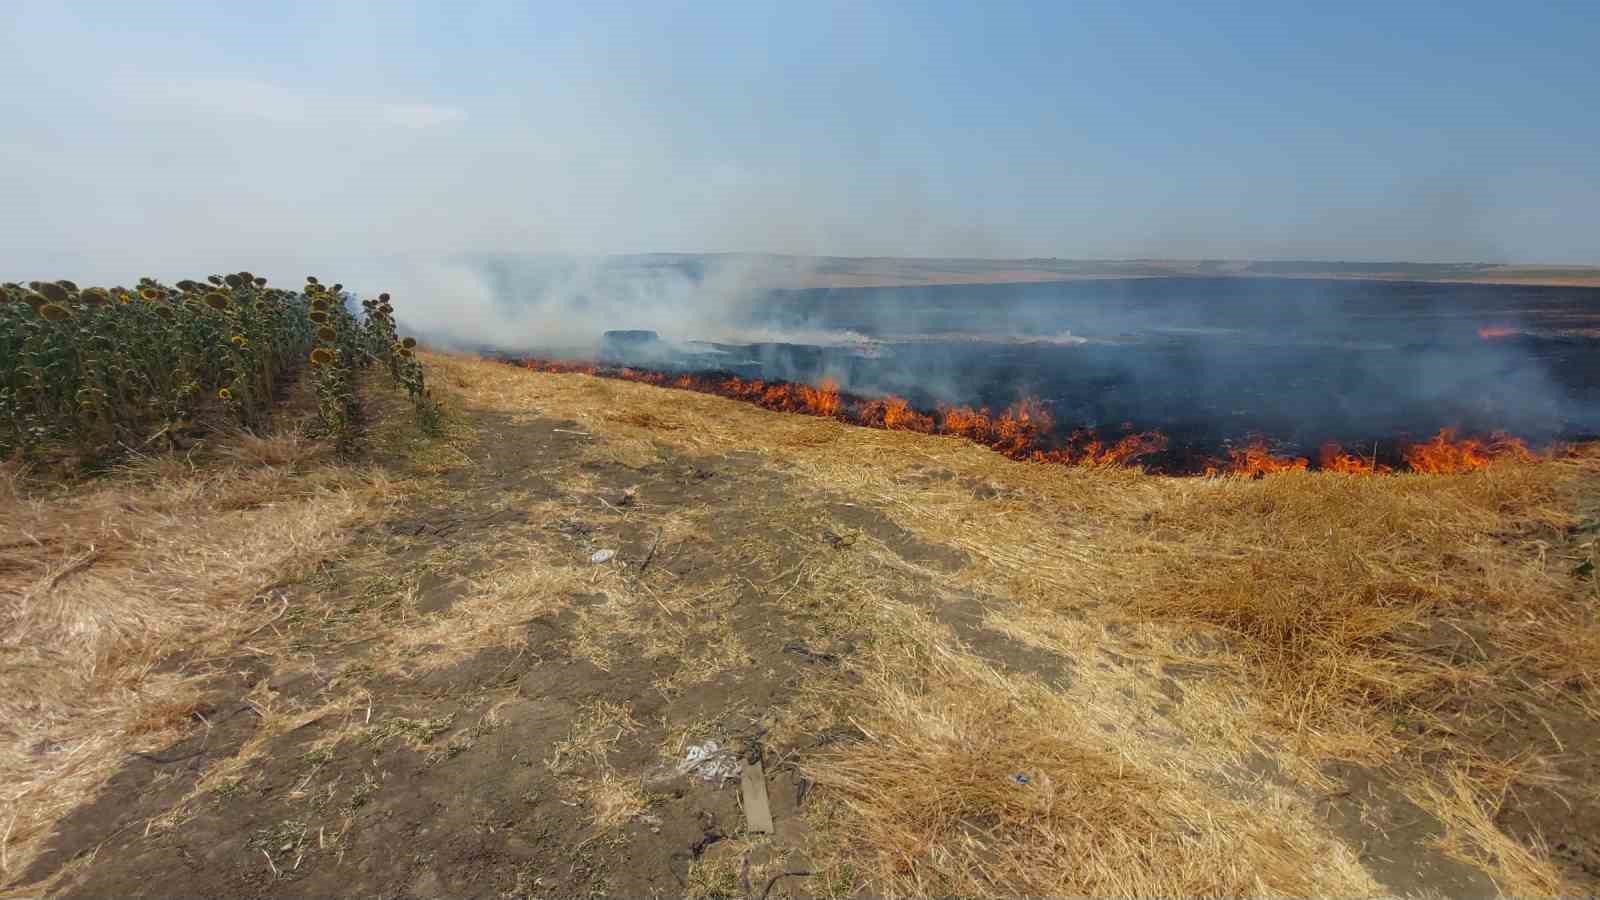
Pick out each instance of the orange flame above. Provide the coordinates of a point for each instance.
(1024, 430)
(1018, 429)
(1333, 458)
(1445, 454)
(558, 368)
(967, 422)
(894, 414)
(1490, 332)
(1257, 459)
(1085, 448)
(822, 400)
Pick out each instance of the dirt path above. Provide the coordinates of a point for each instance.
(360, 758)
(465, 703)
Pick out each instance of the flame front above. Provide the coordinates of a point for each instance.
(1333, 458)
(1085, 448)
(1026, 429)
(1256, 459)
(1446, 454)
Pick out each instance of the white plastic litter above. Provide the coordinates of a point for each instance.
(709, 761)
(601, 556)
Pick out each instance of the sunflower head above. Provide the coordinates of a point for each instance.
(165, 312)
(224, 394)
(53, 312)
(320, 305)
(217, 300)
(94, 297)
(408, 343)
(337, 288)
(327, 334)
(67, 286)
(237, 340)
(321, 356)
(233, 281)
(258, 281)
(55, 293)
(215, 279)
(383, 297)
(312, 279)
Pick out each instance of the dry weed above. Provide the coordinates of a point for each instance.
(493, 614)
(1468, 809)
(596, 729)
(615, 801)
(100, 582)
(973, 782)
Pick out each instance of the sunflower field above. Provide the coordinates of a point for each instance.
(96, 373)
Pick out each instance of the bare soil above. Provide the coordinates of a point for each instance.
(476, 811)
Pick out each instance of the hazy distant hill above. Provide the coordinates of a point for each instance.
(762, 270)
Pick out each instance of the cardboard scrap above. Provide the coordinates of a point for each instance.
(753, 790)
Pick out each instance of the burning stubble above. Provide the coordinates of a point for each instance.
(1178, 375)
(1026, 431)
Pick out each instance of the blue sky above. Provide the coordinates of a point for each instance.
(170, 133)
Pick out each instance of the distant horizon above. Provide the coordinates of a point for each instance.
(1515, 264)
(736, 270)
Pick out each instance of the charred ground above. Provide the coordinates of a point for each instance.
(1212, 365)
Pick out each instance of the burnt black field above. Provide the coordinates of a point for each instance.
(1209, 361)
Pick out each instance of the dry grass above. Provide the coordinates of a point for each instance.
(164, 714)
(493, 614)
(1469, 812)
(1222, 639)
(1327, 583)
(101, 581)
(615, 801)
(611, 799)
(417, 733)
(596, 729)
(714, 879)
(974, 782)
(1206, 623)
(275, 719)
(1322, 579)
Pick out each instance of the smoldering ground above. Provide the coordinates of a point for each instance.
(1303, 361)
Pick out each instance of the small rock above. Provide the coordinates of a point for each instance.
(601, 556)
